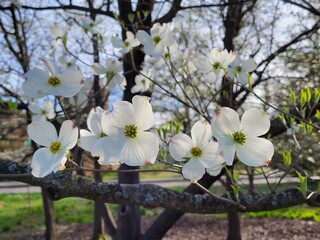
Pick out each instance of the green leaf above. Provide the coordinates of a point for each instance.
(64, 40)
(250, 80)
(318, 114)
(287, 158)
(303, 184)
(293, 97)
(131, 17)
(13, 106)
(235, 175)
(236, 190)
(308, 94)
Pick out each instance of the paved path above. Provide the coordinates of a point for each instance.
(18, 187)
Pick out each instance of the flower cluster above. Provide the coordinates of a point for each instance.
(124, 135)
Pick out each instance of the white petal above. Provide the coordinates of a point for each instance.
(117, 42)
(122, 114)
(226, 122)
(108, 125)
(98, 69)
(51, 66)
(215, 170)
(203, 65)
(36, 84)
(87, 140)
(193, 170)
(71, 83)
(201, 133)
(143, 37)
(243, 78)
(108, 150)
(141, 151)
(38, 117)
(210, 154)
(35, 108)
(228, 148)
(68, 134)
(255, 122)
(44, 162)
(255, 152)
(94, 120)
(42, 132)
(143, 112)
(180, 146)
(249, 65)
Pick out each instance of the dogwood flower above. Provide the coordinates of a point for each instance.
(240, 69)
(142, 83)
(89, 25)
(128, 139)
(200, 152)
(241, 138)
(53, 156)
(67, 61)
(161, 36)
(126, 45)
(43, 112)
(81, 98)
(40, 83)
(89, 138)
(112, 74)
(215, 64)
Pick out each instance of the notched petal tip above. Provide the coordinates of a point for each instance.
(267, 162)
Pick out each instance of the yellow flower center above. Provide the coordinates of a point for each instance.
(55, 147)
(216, 66)
(126, 44)
(196, 152)
(131, 131)
(43, 112)
(239, 138)
(103, 135)
(156, 40)
(238, 69)
(110, 75)
(54, 81)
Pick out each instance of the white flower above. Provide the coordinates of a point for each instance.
(126, 45)
(199, 150)
(128, 139)
(142, 83)
(41, 113)
(58, 32)
(40, 83)
(161, 36)
(67, 62)
(81, 98)
(89, 25)
(53, 156)
(112, 72)
(242, 137)
(240, 69)
(89, 138)
(215, 64)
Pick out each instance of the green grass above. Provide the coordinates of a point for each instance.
(23, 212)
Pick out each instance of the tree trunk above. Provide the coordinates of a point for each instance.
(49, 216)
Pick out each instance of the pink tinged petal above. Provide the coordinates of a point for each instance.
(71, 83)
(43, 133)
(255, 152)
(122, 114)
(249, 65)
(180, 146)
(108, 150)
(94, 120)
(68, 134)
(203, 65)
(143, 112)
(210, 154)
(193, 170)
(255, 122)
(201, 133)
(226, 122)
(98, 69)
(141, 151)
(44, 162)
(87, 140)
